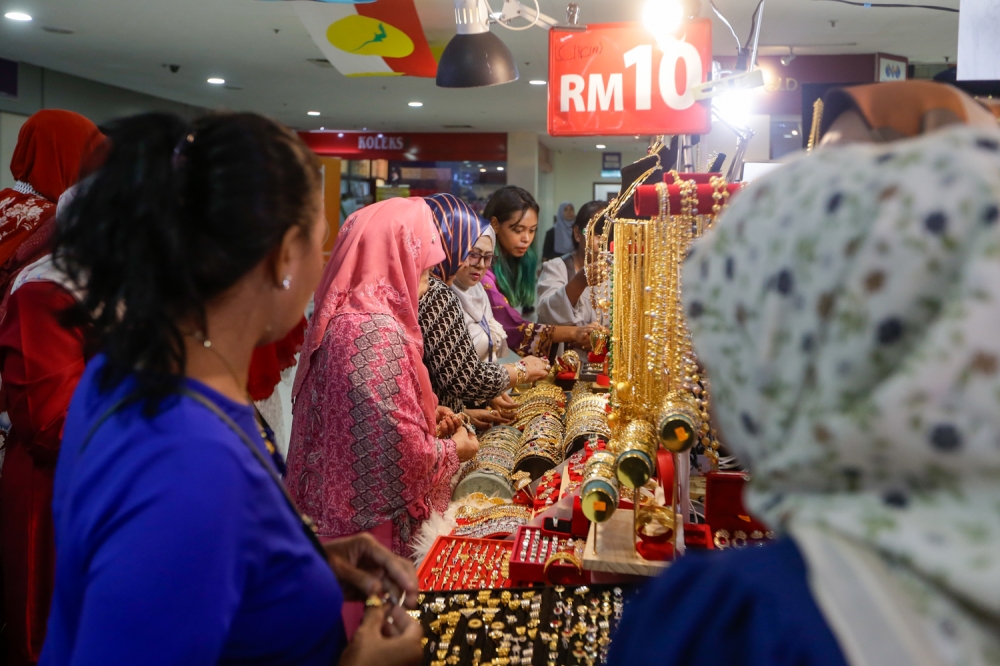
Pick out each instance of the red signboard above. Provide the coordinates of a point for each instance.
(615, 78)
(408, 146)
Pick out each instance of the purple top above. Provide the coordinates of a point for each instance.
(523, 337)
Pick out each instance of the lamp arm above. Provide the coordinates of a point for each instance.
(743, 136)
(513, 9)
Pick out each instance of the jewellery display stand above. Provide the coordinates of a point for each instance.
(610, 549)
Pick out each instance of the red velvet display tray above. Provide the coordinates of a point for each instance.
(459, 555)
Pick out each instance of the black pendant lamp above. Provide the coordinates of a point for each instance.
(475, 57)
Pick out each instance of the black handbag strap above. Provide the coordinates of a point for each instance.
(308, 526)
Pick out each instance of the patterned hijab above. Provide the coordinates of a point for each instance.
(460, 228)
(847, 309)
(375, 268)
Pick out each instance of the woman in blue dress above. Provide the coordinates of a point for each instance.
(176, 541)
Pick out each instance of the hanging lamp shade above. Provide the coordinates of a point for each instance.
(476, 60)
(475, 57)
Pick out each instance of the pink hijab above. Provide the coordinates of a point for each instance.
(375, 268)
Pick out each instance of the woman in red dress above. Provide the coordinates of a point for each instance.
(40, 364)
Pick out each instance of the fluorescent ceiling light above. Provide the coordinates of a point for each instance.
(499, 168)
(312, 113)
(538, 82)
(601, 146)
(416, 105)
(215, 81)
(17, 16)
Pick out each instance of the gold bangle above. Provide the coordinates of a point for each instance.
(563, 556)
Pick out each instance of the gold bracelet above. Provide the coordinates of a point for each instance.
(563, 556)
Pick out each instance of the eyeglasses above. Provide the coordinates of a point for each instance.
(475, 257)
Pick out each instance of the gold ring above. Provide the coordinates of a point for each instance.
(374, 601)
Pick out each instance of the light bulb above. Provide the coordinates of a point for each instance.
(663, 18)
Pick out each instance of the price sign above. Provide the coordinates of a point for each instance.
(616, 79)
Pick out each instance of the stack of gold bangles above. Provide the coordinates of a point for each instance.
(600, 492)
(497, 449)
(542, 439)
(586, 415)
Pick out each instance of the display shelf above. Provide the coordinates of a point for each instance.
(615, 551)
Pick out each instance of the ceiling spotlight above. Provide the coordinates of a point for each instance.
(795, 132)
(482, 171)
(312, 113)
(475, 57)
(416, 105)
(787, 60)
(340, 135)
(499, 168)
(538, 82)
(216, 81)
(663, 18)
(17, 16)
(601, 146)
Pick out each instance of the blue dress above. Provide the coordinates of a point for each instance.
(747, 607)
(175, 546)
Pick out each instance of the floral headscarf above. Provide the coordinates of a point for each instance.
(847, 310)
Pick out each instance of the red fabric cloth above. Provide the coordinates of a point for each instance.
(41, 363)
(51, 148)
(271, 360)
(26, 225)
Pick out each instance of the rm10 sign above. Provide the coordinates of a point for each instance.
(616, 79)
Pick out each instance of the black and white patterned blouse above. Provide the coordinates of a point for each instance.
(458, 376)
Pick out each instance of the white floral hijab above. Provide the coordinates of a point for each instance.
(847, 310)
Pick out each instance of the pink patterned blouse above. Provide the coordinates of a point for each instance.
(362, 455)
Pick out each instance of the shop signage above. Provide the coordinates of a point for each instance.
(611, 162)
(408, 147)
(615, 79)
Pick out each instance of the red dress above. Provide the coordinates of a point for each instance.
(40, 363)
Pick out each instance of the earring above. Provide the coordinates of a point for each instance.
(286, 284)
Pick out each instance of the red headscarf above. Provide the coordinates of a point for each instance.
(50, 149)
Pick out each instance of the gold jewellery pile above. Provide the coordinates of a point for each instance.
(659, 396)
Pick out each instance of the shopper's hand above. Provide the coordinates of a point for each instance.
(504, 404)
(537, 368)
(365, 567)
(466, 445)
(377, 641)
(581, 337)
(447, 422)
(484, 419)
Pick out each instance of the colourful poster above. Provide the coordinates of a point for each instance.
(382, 38)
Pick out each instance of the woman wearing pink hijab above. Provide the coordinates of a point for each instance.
(364, 452)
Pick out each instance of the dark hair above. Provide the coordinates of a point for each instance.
(516, 276)
(587, 212)
(176, 215)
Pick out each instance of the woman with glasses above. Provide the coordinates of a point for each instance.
(463, 378)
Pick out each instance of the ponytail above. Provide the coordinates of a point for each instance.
(174, 217)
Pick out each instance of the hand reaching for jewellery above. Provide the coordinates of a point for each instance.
(366, 568)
